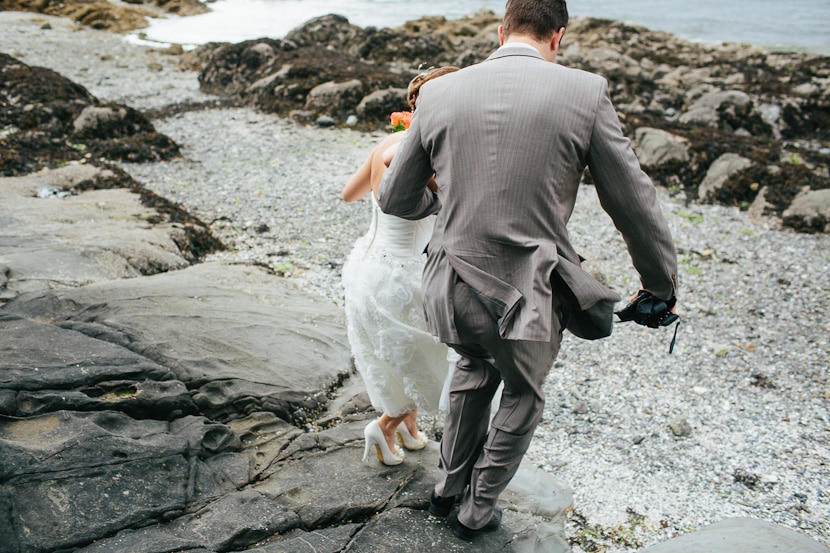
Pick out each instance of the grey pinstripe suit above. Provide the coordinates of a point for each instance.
(508, 140)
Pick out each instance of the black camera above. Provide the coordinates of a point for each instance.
(649, 310)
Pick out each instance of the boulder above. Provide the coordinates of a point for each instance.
(740, 535)
(705, 110)
(655, 147)
(381, 103)
(240, 339)
(335, 99)
(757, 211)
(93, 118)
(89, 228)
(720, 171)
(809, 211)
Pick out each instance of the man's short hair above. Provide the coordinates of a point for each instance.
(537, 18)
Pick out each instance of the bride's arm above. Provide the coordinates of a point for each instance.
(363, 179)
(359, 183)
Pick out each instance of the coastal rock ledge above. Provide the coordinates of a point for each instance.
(153, 402)
(214, 408)
(204, 407)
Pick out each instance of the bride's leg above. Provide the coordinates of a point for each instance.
(411, 422)
(389, 426)
(408, 433)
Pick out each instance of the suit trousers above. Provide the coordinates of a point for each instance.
(471, 454)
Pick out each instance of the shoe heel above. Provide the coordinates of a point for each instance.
(366, 451)
(408, 441)
(374, 437)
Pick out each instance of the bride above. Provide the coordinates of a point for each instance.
(403, 366)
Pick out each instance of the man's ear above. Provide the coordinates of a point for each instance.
(556, 39)
(501, 35)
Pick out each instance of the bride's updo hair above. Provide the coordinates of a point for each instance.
(416, 83)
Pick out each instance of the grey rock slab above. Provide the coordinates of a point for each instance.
(138, 399)
(404, 529)
(335, 486)
(740, 535)
(150, 539)
(161, 539)
(394, 501)
(37, 356)
(414, 530)
(236, 521)
(243, 339)
(264, 437)
(75, 239)
(69, 478)
(328, 540)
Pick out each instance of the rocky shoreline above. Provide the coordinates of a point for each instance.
(734, 125)
(247, 235)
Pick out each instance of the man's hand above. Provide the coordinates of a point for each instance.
(648, 310)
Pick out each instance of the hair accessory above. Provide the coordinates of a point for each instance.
(424, 72)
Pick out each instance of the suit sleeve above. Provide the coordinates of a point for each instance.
(627, 194)
(403, 190)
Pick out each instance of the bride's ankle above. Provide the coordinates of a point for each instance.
(389, 430)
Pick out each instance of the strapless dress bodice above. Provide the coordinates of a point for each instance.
(396, 236)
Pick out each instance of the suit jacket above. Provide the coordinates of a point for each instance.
(508, 140)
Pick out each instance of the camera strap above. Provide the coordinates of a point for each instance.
(674, 338)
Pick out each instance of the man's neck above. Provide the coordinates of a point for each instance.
(547, 49)
(519, 44)
(540, 47)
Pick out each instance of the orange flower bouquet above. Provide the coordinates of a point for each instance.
(401, 120)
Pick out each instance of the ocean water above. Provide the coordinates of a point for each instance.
(789, 25)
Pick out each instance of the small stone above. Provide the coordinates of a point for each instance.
(581, 408)
(325, 121)
(681, 428)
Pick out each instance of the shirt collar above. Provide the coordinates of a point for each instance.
(517, 45)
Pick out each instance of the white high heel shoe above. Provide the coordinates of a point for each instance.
(374, 437)
(408, 441)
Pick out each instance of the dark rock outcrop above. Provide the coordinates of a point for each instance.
(48, 121)
(772, 109)
(101, 14)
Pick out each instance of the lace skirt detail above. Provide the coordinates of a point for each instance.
(403, 366)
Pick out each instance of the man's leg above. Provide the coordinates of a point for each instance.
(469, 455)
(473, 385)
(524, 366)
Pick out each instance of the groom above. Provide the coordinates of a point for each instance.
(508, 140)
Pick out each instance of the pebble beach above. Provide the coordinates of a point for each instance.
(734, 423)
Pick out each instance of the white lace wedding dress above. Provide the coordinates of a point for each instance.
(403, 366)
